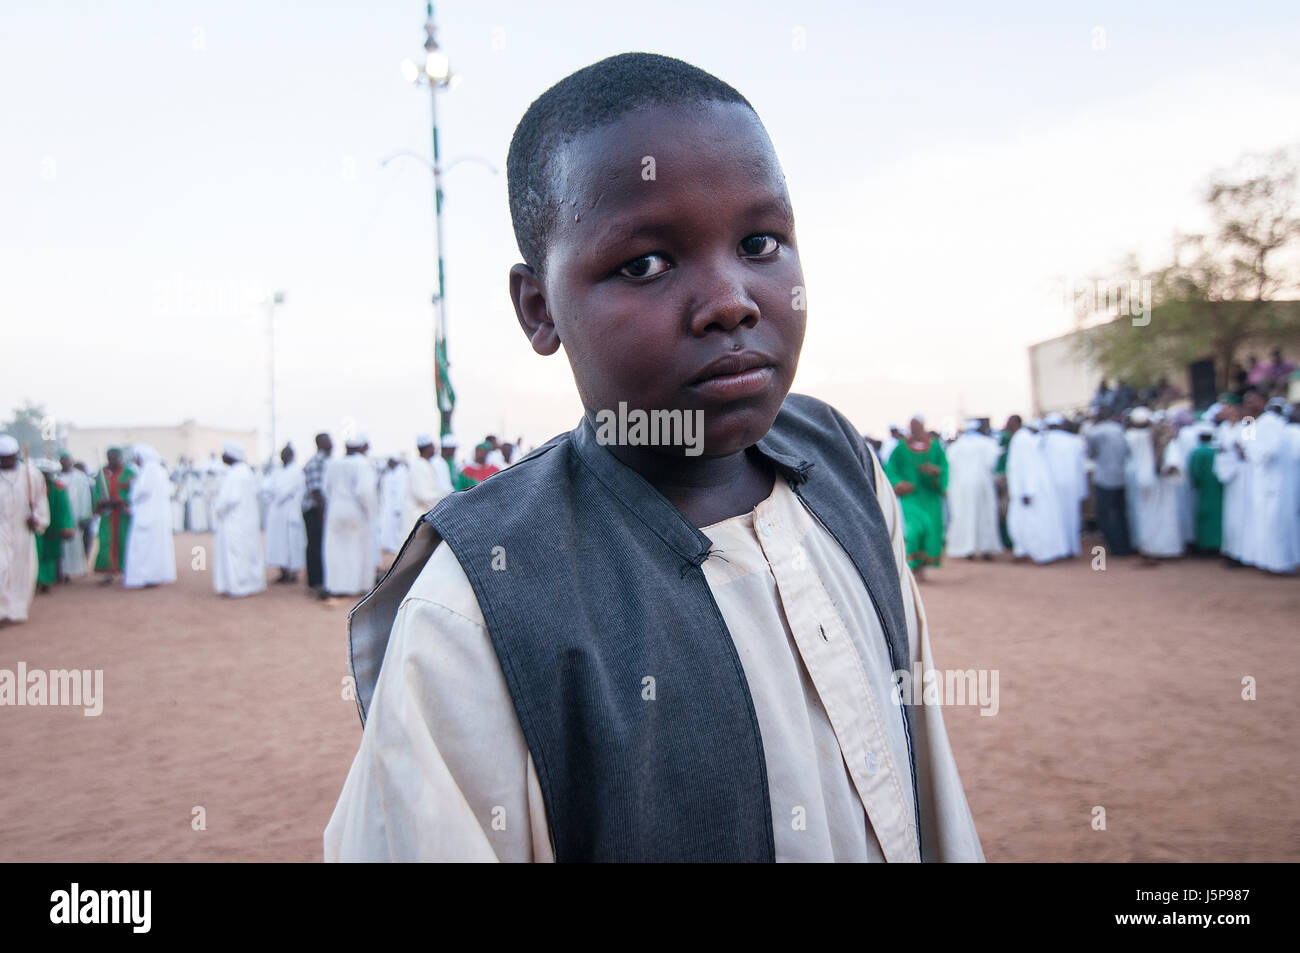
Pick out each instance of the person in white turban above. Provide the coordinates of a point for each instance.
(24, 515)
(429, 481)
(1033, 513)
(972, 494)
(286, 532)
(1154, 479)
(238, 567)
(150, 549)
(351, 491)
(74, 564)
(392, 504)
(1065, 455)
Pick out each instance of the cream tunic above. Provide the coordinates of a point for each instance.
(443, 772)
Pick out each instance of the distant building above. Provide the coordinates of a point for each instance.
(1063, 379)
(188, 439)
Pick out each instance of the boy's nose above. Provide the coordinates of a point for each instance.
(723, 302)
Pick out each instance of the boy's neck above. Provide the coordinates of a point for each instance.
(705, 490)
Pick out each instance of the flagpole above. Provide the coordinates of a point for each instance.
(437, 75)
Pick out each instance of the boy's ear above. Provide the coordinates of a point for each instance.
(529, 298)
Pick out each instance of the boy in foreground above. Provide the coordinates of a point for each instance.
(624, 648)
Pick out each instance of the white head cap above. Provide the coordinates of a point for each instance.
(232, 450)
(1054, 420)
(972, 424)
(144, 453)
(1140, 416)
(8, 445)
(423, 440)
(356, 441)
(449, 440)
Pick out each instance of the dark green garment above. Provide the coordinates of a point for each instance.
(49, 545)
(1209, 497)
(1004, 441)
(923, 507)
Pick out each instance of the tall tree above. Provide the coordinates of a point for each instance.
(1221, 288)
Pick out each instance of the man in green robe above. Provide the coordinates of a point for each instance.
(1000, 479)
(49, 545)
(918, 470)
(1209, 494)
(111, 498)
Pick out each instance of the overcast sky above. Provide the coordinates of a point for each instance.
(164, 164)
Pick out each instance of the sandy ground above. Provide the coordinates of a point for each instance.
(1118, 688)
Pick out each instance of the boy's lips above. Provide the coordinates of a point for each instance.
(734, 376)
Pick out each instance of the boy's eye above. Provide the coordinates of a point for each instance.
(759, 246)
(647, 266)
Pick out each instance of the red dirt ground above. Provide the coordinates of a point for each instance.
(1119, 688)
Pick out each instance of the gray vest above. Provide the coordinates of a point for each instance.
(590, 583)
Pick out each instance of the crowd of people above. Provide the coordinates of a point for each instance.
(333, 517)
(1156, 484)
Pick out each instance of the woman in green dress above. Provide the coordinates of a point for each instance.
(918, 471)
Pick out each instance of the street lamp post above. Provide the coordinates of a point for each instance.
(436, 73)
(271, 302)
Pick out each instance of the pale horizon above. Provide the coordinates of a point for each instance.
(165, 167)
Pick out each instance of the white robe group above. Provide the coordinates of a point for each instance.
(1036, 528)
(150, 551)
(973, 496)
(238, 568)
(22, 494)
(286, 534)
(351, 512)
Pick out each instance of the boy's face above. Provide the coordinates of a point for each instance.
(675, 248)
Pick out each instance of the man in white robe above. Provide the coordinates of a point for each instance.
(238, 568)
(1154, 487)
(1231, 470)
(24, 514)
(286, 533)
(1188, 439)
(972, 495)
(196, 503)
(427, 482)
(1065, 455)
(351, 509)
(1266, 540)
(392, 499)
(73, 562)
(1033, 513)
(1291, 513)
(150, 550)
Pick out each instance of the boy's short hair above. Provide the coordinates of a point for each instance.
(592, 97)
